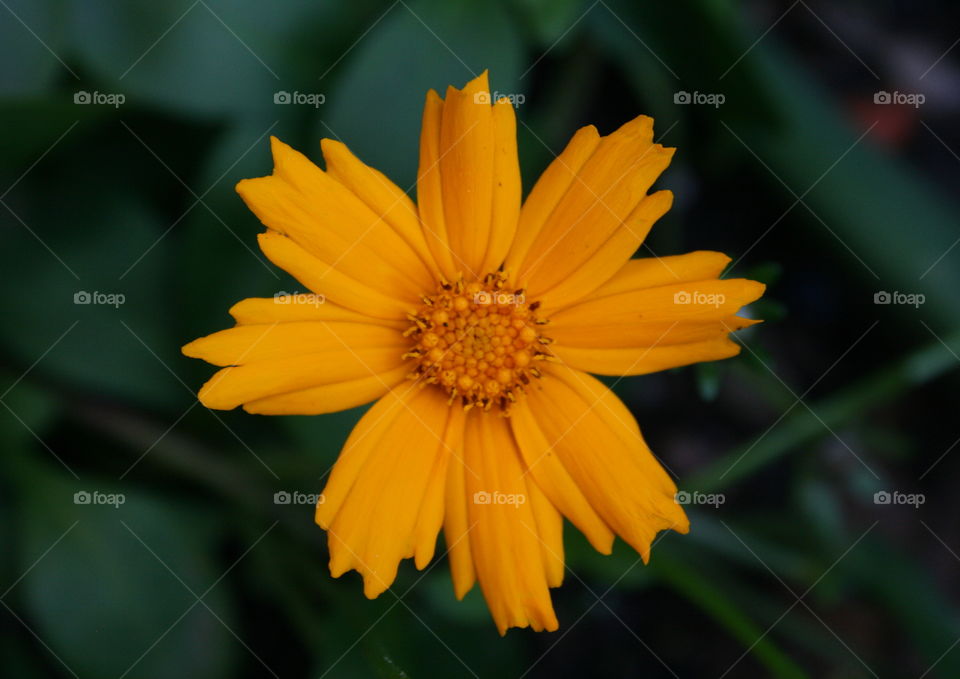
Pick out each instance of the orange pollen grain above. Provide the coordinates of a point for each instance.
(477, 342)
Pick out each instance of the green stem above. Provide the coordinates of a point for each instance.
(800, 427)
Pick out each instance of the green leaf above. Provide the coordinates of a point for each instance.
(906, 591)
(800, 426)
(29, 65)
(552, 20)
(100, 600)
(708, 379)
(208, 59)
(702, 591)
(894, 239)
(431, 44)
(108, 327)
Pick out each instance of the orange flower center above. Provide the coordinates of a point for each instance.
(478, 342)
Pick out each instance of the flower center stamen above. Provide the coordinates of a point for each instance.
(477, 342)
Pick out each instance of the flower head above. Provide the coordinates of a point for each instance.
(474, 324)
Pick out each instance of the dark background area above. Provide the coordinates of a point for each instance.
(804, 175)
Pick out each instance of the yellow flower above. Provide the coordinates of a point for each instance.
(474, 322)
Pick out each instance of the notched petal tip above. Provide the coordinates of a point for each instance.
(373, 586)
(479, 84)
(749, 291)
(322, 516)
(719, 260)
(461, 590)
(605, 548)
(589, 130)
(757, 291)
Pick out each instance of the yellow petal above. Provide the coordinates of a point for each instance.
(645, 360)
(329, 281)
(611, 256)
(469, 180)
(623, 331)
(375, 526)
(329, 398)
(430, 188)
(505, 538)
(547, 192)
(466, 169)
(619, 335)
(333, 224)
(544, 467)
(550, 530)
(506, 186)
(692, 300)
(430, 519)
(652, 272)
(597, 440)
(251, 343)
(457, 524)
(299, 307)
(240, 384)
(380, 194)
(366, 436)
(592, 204)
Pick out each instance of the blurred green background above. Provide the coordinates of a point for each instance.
(125, 126)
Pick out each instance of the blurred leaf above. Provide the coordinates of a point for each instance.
(438, 593)
(29, 64)
(768, 273)
(100, 599)
(700, 589)
(667, 48)
(322, 438)
(108, 326)
(708, 379)
(208, 59)
(223, 224)
(788, 561)
(869, 206)
(552, 19)
(387, 668)
(42, 125)
(800, 426)
(29, 410)
(821, 508)
(912, 598)
(377, 104)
